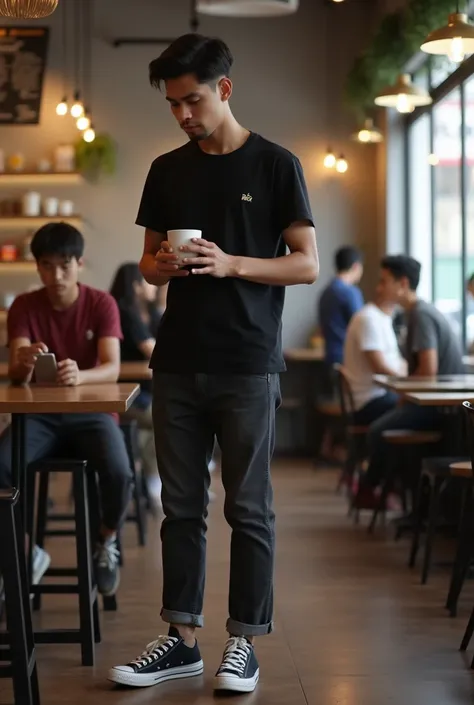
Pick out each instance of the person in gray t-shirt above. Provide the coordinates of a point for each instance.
(431, 349)
(431, 346)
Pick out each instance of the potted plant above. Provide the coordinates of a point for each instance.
(97, 158)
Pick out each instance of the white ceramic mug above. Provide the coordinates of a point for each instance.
(31, 204)
(178, 238)
(66, 208)
(50, 207)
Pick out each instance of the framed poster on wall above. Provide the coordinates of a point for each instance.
(23, 54)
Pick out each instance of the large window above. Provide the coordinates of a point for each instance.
(440, 193)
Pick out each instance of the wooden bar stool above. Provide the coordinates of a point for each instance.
(85, 492)
(19, 637)
(418, 441)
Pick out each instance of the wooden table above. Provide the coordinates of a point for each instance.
(441, 383)
(135, 371)
(129, 371)
(439, 398)
(304, 354)
(32, 399)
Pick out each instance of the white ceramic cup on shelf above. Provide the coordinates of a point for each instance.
(66, 208)
(50, 207)
(178, 238)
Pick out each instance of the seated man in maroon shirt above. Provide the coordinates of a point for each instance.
(81, 326)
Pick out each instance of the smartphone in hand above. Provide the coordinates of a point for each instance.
(46, 369)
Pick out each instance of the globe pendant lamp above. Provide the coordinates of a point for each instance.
(455, 40)
(403, 95)
(27, 9)
(247, 8)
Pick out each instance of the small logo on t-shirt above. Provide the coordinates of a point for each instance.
(89, 334)
(246, 197)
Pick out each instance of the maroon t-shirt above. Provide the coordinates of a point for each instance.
(73, 333)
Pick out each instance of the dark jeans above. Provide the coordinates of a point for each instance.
(189, 412)
(407, 416)
(96, 438)
(374, 409)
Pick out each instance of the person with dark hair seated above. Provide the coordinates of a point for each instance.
(218, 353)
(431, 349)
(81, 326)
(139, 318)
(339, 301)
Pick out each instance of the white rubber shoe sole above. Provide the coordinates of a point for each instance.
(144, 680)
(235, 684)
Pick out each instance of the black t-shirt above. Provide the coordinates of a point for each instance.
(136, 331)
(242, 201)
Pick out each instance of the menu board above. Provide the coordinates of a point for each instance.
(23, 52)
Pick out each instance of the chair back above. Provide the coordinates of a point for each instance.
(346, 398)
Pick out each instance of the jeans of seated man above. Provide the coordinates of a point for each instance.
(374, 409)
(407, 416)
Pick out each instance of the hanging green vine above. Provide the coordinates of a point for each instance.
(397, 39)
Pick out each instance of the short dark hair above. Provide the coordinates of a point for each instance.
(207, 58)
(401, 266)
(346, 257)
(60, 239)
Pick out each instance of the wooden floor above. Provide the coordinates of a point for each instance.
(353, 625)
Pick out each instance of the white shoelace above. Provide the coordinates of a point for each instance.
(107, 554)
(155, 650)
(236, 653)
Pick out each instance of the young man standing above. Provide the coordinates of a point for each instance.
(218, 353)
(431, 349)
(340, 300)
(81, 326)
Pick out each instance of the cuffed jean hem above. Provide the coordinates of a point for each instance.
(184, 618)
(241, 629)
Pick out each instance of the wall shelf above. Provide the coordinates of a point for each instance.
(20, 222)
(17, 267)
(41, 178)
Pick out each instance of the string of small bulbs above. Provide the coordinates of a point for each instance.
(82, 32)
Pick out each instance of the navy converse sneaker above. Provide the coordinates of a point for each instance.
(165, 659)
(239, 670)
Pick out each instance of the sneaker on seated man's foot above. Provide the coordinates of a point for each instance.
(41, 563)
(239, 670)
(165, 659)
(106, 566)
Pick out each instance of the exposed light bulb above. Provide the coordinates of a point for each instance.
(404, 104)
(89, 135)
(341, 165)
(363, 136)
(456, 50)
(433, 159)
(329, 160)
(61, 108)
(77, 109)
(83, 123)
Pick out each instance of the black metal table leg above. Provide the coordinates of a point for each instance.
(18, 436)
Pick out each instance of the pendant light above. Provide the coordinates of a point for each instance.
(84, 123)
(62, 107)
(330, 159)
(27, 9)
(368, 134)
(404, 95)
(77, 107)
(455, 40)
(247, 8)
(341, 164)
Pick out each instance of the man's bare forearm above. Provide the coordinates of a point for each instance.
(106, 372)
(295, 268)
(20, 374)
(148, 269)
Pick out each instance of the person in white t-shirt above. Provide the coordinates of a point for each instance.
(371, 348)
